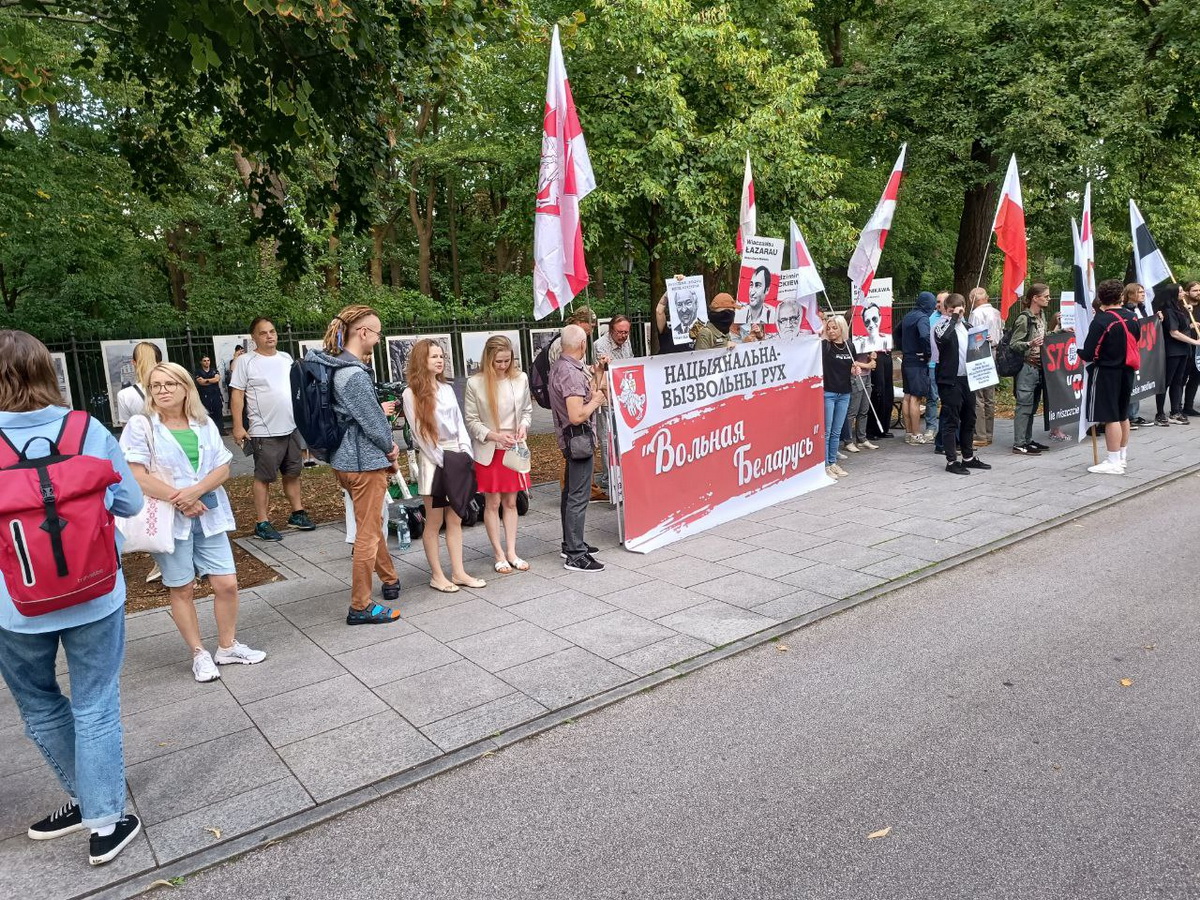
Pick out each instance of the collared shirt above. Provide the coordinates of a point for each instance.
(568, 378)
(122, 499)
(147, 441)
(606, 347)
(987, 316)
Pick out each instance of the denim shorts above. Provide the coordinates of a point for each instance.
(199, 554)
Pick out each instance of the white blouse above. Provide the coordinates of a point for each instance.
(452, 431)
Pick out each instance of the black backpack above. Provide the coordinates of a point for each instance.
(1008, 360)
(312, 406)
(539, 378)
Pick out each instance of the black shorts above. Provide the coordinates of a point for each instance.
(915, 378)
(275, 455)
(1109, 389)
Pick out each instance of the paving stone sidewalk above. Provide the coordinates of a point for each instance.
(335, 710)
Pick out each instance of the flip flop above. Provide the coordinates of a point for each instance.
(473, 583)
(519, 564)
(502, 567)
(446, 589)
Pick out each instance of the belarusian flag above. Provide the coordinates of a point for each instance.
(865, 259)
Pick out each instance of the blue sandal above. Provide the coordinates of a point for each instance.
(372, 615)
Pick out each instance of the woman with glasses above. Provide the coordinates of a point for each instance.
(176, 440)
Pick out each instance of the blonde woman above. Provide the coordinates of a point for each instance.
(499, 409)
(837, 359)
(131, 399)
(446, 473)
(177, 436)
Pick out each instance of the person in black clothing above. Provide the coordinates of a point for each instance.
(667, 342)
(1191, 380)
(1110, 379)
(837, 358)
(957, 423)
(208, 381)
(1180, 348)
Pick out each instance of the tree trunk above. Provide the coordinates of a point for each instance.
(452, 203)
(974, 227)
(177, 279)
(395, 273)
(9, 292)
(836, 57)
(377, 233)
(333, 270)
(597, 284)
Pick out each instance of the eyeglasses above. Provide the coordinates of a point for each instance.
(370, 329)
(159, 386)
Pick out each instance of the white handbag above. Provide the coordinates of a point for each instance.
(153, 529)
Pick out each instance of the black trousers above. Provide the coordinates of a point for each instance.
(1191, 383)
(957, 421)
(882, 396)
(1175, 375)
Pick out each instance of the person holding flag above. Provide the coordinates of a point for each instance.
(564, 179)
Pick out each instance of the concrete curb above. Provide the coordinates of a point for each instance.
(264, 836)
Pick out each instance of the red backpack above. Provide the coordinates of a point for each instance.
(1133, 356)
(57, 541)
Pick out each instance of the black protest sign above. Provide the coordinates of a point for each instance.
(1151, 377)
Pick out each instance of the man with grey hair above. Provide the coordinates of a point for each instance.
(573, 402)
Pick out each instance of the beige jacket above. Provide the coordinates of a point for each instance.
(516, 410)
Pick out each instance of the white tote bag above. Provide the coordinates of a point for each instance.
(152, 529)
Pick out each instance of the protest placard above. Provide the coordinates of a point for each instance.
(758, 286)
(1062, 371)
(686, 305)
(872, 324)
(981, 364)
(788, 314)
(709, 437)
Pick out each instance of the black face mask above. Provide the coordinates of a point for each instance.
(722, 319)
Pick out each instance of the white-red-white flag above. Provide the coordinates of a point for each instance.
(809, 282)
(865, 258)
(565, 178)
(748, 213)
(1009, 226)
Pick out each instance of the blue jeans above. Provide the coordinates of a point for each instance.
(81, 738)
(932, 402)
(835, 417)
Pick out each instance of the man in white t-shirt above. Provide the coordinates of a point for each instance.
(260, 394)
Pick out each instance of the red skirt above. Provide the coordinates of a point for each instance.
(497, 478)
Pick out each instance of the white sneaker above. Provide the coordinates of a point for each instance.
(852, 448)
(839, 471)
(929, 435)
(239, 653)
(1107, 468)
(831, 473)
(842, 455)
(869, 445)
(203, 667)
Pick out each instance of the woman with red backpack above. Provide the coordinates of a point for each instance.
(81, 737)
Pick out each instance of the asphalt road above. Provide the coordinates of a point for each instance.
(980, 715)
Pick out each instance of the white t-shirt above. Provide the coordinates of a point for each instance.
(267, 382)
(130, 402)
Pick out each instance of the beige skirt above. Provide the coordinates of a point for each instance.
(426, 467)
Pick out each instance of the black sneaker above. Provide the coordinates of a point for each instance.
(1191, 412)
(265, 531)
(957, 468)
(590, 549)
(300, 521)
(1025, 450)
(1039, 447)
(1133, 425)
(375, 614)
(583, 563)
(975, 463)
(64, 821)
(1178, 419)
(391, 592)
(1139, 421)
(1161, 420)
(106, 849)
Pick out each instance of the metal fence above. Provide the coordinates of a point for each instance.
(91, 372)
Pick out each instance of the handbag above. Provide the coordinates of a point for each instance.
(518, 459)
(153, 529)
(580, 445)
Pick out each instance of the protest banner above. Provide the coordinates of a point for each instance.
(872, 323)
(1062, 372)
(981, 364)
(789, 313)
(686, 305)
(758, 285)
(1066, 308)
(708, 437)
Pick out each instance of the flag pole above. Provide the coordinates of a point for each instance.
(983, 265)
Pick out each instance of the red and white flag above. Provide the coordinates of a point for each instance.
(865, 259)
(809, 282)
(565, 178)
(748, 214)
(1009, 226)
(1088, 243)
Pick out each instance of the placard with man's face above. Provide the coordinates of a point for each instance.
(686, 305)
(873, 319)
(758, 283)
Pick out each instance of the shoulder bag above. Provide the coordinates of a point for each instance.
(153, 529)
(516, 458)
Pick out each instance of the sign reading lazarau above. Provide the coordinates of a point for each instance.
(708, 437)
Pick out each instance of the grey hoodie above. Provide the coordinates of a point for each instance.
(368, 438)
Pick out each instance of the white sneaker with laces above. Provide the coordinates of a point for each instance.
(1107, 468)
(203, 667)
(842, 455)
(240, 654)
(852, 448)
(831, 473)
(839, 471)
(869, 445)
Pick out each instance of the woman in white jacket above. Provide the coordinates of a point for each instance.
(176, 438)
(499, 409)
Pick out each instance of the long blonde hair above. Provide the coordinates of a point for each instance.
(145, 357)
(342, 324)
(424, 387)
(193, 409)
(495, 345)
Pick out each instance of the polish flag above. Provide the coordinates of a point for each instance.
(565, 178)
(748, 214)
(1009, 226)
(809, 282)
(870, 243)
